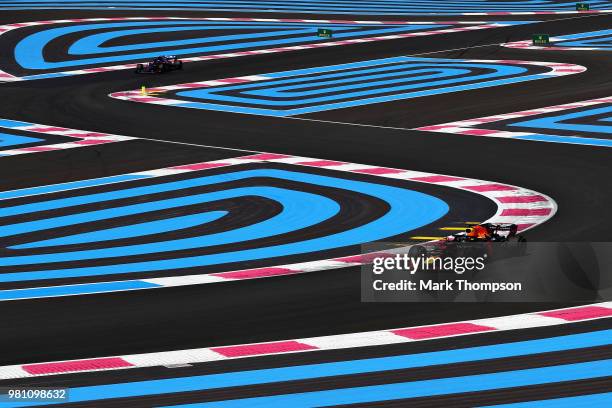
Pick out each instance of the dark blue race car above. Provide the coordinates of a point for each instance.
(159, 65)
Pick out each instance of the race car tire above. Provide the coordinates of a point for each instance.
(477, 249)
(417, 251)
(521, 245)
(139, 68)
(516, 245)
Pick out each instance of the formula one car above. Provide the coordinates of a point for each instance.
(480, 240)
(159, 65)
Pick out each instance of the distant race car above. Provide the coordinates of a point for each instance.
(159, 65)
(488, 240)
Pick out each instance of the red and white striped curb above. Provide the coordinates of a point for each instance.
(528, 45)
(516, 205)
(473, 127)
(137, 96)
(471, 25)
(311, 344)
(84, 139)
(528, 13)
(556, 69)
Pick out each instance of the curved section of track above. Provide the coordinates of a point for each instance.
(572, 123)
(587, 41)
(79, 46)
(322, 343)
(325, 88)
(400, 212)
(317, 310)
(381, 7)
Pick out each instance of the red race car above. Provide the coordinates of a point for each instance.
(475, 241)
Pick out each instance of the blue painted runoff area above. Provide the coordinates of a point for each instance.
(601, 39)
(364, 366)
(82, 289)
(324, 88)
(408, 210)
(560, 122)
(9, 140)
(364, 7)
(580, 401)
(586, 141)
(29, 52)
(454, 385)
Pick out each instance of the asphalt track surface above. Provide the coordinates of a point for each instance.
(567, 389)
(342, 6)
(319, 303)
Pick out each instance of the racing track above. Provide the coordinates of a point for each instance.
(320, 303)
(380, 7)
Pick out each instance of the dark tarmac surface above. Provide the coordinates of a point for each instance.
(321, 303)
